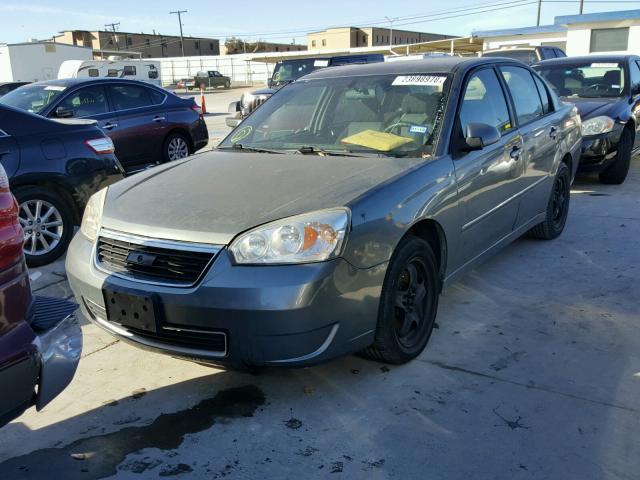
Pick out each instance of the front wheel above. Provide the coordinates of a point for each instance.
(408, 303)
(616, 173)
(227, 84)
(557, 207)
(47, 222)
(175, 147)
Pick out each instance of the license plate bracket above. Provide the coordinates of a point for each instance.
(134, 311)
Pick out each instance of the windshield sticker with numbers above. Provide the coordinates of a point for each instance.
(431, 80)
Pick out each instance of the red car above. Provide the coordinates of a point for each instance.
(40, 338)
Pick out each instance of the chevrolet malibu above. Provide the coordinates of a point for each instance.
(329, 221)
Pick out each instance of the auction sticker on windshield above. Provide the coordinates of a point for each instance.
(241, 134)
(431, 80)
(604, 65)
(56, 88)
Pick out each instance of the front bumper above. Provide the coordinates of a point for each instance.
(598, 151)
(292, 315)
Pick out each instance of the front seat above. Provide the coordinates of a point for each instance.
(612, 79)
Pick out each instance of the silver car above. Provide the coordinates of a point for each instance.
(329, 221)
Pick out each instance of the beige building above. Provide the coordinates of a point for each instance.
(261, 47)
(106, 43)
(352, 37)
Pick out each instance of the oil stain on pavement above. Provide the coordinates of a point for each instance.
(99, 456)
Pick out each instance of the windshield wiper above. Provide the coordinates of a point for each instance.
(239, 146)
(311, 150)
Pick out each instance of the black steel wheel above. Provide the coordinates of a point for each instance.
(557, 207)
(408, 303)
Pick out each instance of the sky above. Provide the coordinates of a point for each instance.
(278, 20)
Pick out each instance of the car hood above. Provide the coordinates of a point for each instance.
(212, 197)
(592, 107)
(264, 91)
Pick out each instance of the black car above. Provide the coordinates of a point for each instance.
(6, 87)
(606, 91)
(53, 166)
(147, 124)
(528, 55)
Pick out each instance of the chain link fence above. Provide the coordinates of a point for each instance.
(240, 68)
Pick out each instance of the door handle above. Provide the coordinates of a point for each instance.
(515, 153)
(109, 125)
(553, 133)
(159, 119)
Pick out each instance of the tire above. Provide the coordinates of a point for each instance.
(51, 229)
(175, 147)
(400, 304)
(557, 207)
(227, 85)
(616, 173)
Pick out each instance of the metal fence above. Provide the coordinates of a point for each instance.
(240, 68)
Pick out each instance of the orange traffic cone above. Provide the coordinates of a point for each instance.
(203, 105)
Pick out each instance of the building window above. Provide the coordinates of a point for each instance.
(364, 39)
(313, 43)
(129, 42)
(609, 39)
(148, 42)
(197, 45)
(211, 46)
(324, 42)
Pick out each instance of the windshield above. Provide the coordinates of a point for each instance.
(288, 72)
(32, 98)
(585, 80)
(397, 115)
(525, 56)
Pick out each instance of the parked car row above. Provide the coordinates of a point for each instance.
(378, 185)
(59, 140)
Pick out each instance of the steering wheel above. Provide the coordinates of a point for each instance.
(398, 125)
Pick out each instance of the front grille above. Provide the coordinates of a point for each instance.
(174, 263)
(210, 340)
(248, 106)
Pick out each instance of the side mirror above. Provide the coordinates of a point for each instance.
(480, 135)
(62, 112)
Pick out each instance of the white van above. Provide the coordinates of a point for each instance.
(145, 71)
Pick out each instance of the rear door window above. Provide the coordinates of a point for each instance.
(521, 86)
(484, 102)
(86, 102)
(125, 97)
(544, 94)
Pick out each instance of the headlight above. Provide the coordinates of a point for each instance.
(93, 215)
(246, 99)
(597, 125)
(312, 237)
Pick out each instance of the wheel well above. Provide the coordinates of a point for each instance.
(60, 190)
(185, 134)
(431, 231)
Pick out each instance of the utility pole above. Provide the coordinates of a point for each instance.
(179, 13)
(391, 20)
(539, 11)
(581, 6)
(113, 29)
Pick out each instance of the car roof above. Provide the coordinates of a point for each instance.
(587, 58)
(427, 65)
(72, 82)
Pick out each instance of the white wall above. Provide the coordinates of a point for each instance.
(6, 75)
(33, 62)
(528, 40)
(579, 37)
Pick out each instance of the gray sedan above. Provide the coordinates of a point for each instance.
(329, 221)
